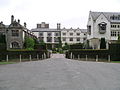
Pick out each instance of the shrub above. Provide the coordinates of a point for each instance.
(29, 43)
(102, 43)
(76, 46)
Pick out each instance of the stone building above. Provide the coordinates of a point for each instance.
(103, 25)
(53, 36)
(15, 34)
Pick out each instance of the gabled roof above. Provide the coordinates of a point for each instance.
(108, 15)
(15, 24)
(71, 29)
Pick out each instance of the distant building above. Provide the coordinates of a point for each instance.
(52, 37)
(72, 36)
(15, 34)
(103, 25)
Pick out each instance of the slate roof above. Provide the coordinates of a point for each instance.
(44, 30)
(55, 30)
(82, 30)
(108, 15)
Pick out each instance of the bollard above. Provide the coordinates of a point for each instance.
(20, 58)
(71, 55)
(44, 56)
(7, 58)
(96, 58)
(30, 57)
(37, 56)
(86, 57)
(108, 58)
(78, 57)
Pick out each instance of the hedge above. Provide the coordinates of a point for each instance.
(113, 51)
(24, 54)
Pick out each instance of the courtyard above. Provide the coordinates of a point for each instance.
(59, 73)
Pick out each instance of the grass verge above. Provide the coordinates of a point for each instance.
(3, 63)
(115, 61)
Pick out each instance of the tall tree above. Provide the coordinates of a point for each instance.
(102, 43)
(29, 43)
(118, 41)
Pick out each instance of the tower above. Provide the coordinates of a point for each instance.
(58, 26)
(12, 19)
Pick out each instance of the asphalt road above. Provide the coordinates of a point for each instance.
(58, 73)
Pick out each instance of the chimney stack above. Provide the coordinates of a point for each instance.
(19, 21)
(25, 24)
(58, 26)
(12, 19)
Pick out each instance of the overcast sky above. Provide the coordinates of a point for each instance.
(70, 13)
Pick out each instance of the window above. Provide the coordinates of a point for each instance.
(89, 30)
(15, 33)
(113, 26)
(78, 34)
(41, 39)
(56, 39)
(71, 34)
(78, 39)
(113, 33)
(118, 26)
(84, 39)
(118, 33)
(56, 34)
(64, 34)
(49, 34)
(64, 39)
(41, 34)
(71, 39)
(102, 27)
(49, 39)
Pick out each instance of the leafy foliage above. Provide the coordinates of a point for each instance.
(2, 39)
(118, 41)
(29, 43)
(102, 43)
(66, 47)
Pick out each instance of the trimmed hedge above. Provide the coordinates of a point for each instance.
(24, 54)
(76, 46)
(102, 54)
(40, 47)
(113, 51)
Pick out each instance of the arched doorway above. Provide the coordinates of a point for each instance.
(15, 45)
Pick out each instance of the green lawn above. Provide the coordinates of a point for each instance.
(115, 61)
(2, 63)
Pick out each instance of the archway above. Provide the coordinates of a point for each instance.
(15, 45)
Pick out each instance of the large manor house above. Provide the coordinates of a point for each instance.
(100, 25)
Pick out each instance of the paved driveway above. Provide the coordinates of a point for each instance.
(59, 73)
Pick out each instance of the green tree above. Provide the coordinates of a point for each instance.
(118, 41)
(102, 43)
(2, 39)
(66, 47)
(42, 42)
(2, 42)
(60, 42)
(29, 43)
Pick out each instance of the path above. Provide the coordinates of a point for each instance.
(58, 73)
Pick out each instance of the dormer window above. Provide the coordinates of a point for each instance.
(102, 27)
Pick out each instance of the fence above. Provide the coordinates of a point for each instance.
(22, 56)
(89, 55)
